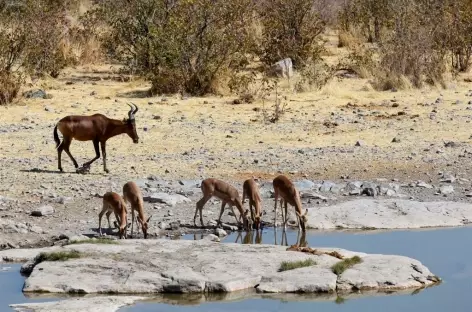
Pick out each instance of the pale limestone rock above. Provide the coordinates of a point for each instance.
(389, 214)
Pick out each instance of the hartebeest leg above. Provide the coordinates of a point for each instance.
(97, 154)
(104, 153)
(65, 146)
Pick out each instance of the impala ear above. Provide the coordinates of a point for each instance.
(306, 212)
(148, 219)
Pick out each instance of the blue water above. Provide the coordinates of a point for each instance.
(446, 252)
(11, 284)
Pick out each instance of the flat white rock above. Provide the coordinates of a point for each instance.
(95, 304)
(165, 266)
(389, 214)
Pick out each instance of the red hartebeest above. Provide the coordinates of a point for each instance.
(97, 128)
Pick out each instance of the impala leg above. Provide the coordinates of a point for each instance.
(199, 208)
(223, 204)
(108, 218)
(132, 222)
(104, 153)
(97, 154)
(286, 216)
(253, 217)
(276, 198)
(240, 216)
(100, 215)
(65, 146)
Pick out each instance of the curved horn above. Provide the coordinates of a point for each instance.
(136, 108)
(130, 113)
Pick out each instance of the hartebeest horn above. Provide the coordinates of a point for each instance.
(130, 113)
(136, 108)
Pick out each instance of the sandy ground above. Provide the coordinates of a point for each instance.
(195, 138)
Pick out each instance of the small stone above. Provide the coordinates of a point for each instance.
(212, 237)
(446, 189)
(396, 140)
(43, 211)
(360, 143)
(424, 185)
(220, 232)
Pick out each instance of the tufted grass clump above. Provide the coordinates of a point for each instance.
(58, 256)
(292, 265)
(345, 264)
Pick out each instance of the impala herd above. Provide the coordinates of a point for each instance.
(99, 128)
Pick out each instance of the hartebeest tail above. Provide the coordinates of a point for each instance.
(56, 137)
(97, 128)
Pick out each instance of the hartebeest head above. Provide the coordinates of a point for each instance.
(131, 131)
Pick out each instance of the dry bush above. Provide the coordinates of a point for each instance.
(408, 49)
(291, 29)
(10, 84)
(32, 37)
(180, 46)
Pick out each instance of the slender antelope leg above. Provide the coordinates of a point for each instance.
(240, 216)
(104, 153)
(97, 154)
(276, 198)
(223, 204)
(199, 207)
(108, 218)
(286, 215)
(100, 215)
(65, 146)
(132, 221)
